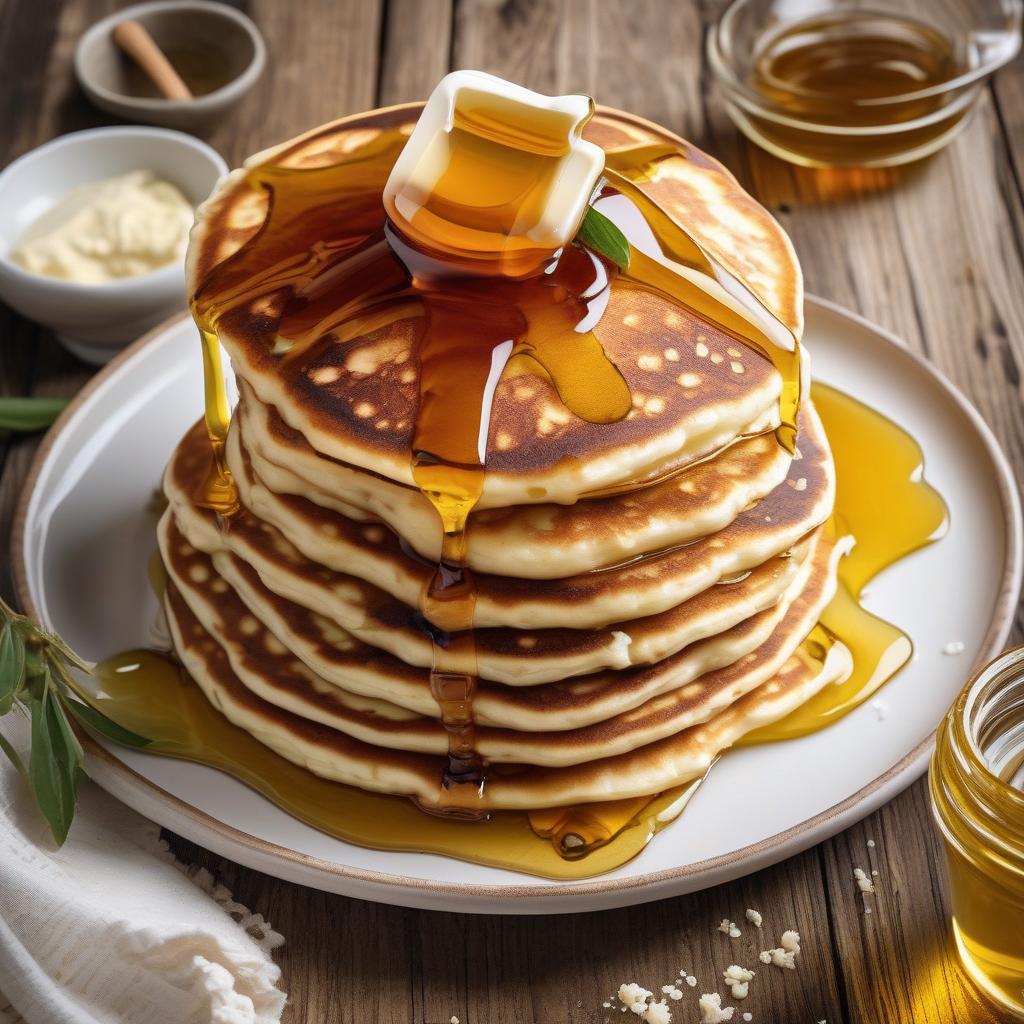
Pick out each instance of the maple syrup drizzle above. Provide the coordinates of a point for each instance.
(218, 491)
(752, 324)
(339, 267)
(911, 515)
(343, 267)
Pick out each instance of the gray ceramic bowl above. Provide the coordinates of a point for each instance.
(217, 50)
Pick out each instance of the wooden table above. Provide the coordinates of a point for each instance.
(935, 254)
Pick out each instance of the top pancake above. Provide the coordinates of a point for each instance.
(694, 387)
(542, 541)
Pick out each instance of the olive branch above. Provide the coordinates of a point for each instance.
(36, 678)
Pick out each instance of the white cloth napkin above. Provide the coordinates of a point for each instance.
(110, 929)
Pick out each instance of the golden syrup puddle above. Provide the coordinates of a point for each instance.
(884, 502)
(878, 467)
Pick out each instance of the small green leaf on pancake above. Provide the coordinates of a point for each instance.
(597, 232)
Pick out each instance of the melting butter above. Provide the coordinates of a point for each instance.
(495, 175)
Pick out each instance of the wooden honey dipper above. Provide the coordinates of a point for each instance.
(135, 40)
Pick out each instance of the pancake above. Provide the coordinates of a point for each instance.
(270, 670)
(643, 590)
(528, 542)
(375, 555)
(356, 400)
(347, 663)
(651, 769)
(512, 656)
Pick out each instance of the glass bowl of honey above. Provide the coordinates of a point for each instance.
(977, 790)
(858, 83)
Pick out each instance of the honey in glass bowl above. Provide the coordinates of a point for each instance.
(832, 83)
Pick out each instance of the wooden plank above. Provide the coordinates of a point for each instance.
(932, 252)
(898, 961)
(417, 48)
(38, 100)
(1008, 95)
(323, 62)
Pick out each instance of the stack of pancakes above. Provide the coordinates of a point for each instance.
(645, 589)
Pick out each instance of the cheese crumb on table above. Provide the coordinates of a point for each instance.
(454, 1020)
(634, 997)
(864, 882)
(748, 1016)
(712, 1011)
(672, 991)
(729, 928)
(691, 981)
(754, 917)
(738, 979)
(786, 954)
(658, 1013)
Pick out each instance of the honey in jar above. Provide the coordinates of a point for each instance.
(977, 788)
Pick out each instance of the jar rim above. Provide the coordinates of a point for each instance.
(968, 712)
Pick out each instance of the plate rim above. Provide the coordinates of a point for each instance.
(896, 777)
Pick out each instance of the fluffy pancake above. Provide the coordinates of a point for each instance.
(270, 670)
(512, 656)
(528, 542)
(364, 670)
(374, 555)
(652, 768)
(356, 401)
(645, 590)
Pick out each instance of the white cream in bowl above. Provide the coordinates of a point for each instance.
(97, 309)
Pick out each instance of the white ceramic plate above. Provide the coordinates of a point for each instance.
(82, 541)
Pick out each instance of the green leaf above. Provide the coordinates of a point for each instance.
(28, 414)
(12, 666)
(597, 232)
(54, 763)
(97, 720)
(35, 674)
(12, 754)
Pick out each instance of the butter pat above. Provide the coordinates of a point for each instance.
(106, 230)
(495, 178)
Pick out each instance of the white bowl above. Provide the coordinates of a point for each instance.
(94, 321)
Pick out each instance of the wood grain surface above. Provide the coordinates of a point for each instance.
(933, 253)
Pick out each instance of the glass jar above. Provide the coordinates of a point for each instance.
(977, 790)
